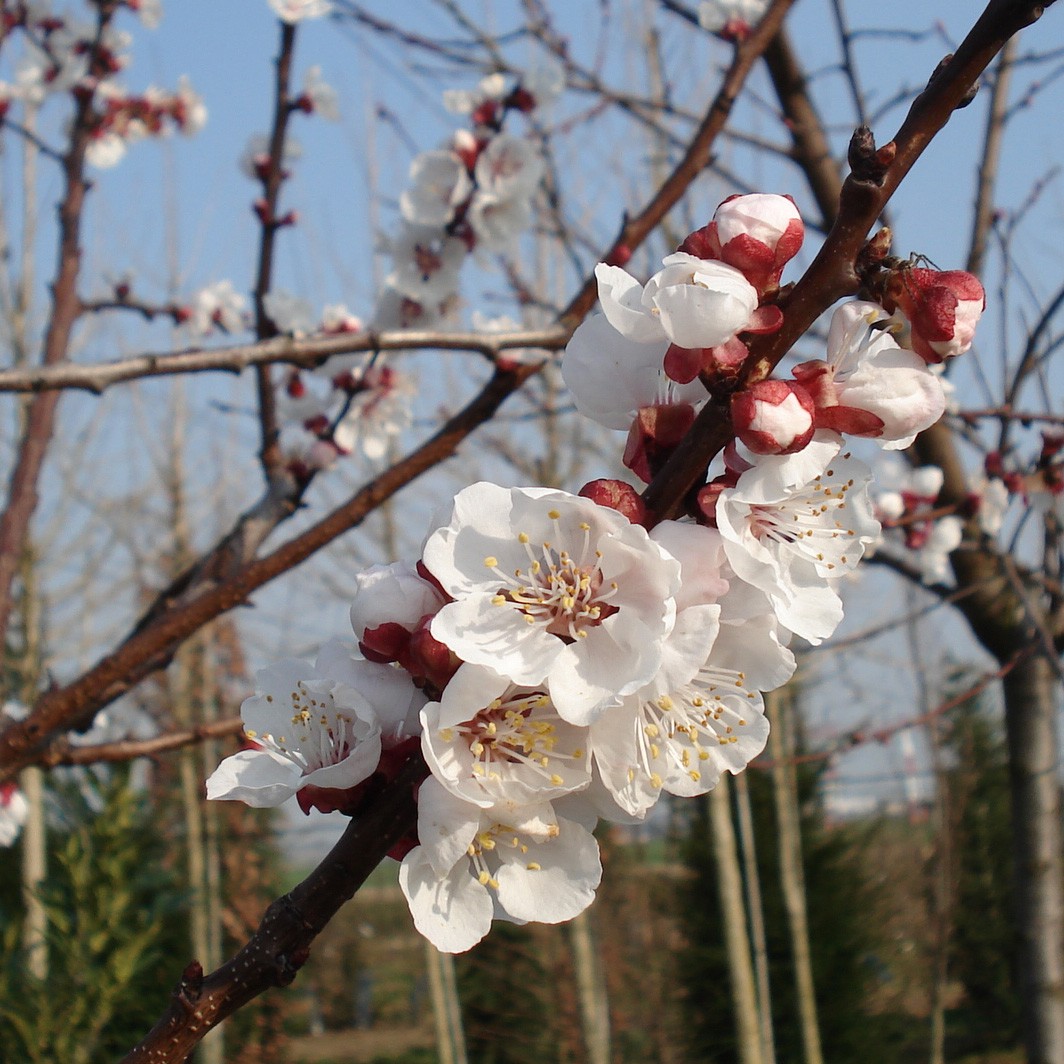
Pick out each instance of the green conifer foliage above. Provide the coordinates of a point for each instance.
(115, 928)
(982, 954)
(506, 994)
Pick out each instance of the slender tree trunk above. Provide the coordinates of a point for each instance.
(733, 913)
(1030, 716)
(446, 1008)
(34, 837)
(941, 896)
(591, 990)
(454, 1008)
(34, 866)
(748, 842)
(792, 877)
(438, 994)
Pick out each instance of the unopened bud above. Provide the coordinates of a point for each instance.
(617, 495)
(940, 308)
(774, 417)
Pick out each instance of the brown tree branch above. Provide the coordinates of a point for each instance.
(272, 179)
(63, 752)
(281, 945)
(303, 352)
(39, 423)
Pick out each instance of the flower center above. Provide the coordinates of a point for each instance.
(321, 734)
(563, 593)
(805, 523)
(483, 853)
(686, 724)
(516, 731)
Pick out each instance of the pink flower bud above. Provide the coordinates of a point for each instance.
(654, 435)
(774, 417)
(941, 309)
(758, 234)
(617, 495)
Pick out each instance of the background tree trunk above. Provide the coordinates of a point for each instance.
(1030, 719)
(792, 878)
(591, 988)
(733, 914)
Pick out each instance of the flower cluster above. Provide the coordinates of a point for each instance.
(473, 194)
(62, 55)
(563, 658)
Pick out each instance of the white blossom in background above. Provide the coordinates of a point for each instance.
(188, 108)
(150, 12)
(14, 809)
(439, 182)
(293, 11)
(336, 318)
(105, 150)
(426, 263)
(218, 306)
(718, 15)
(497, 222)
(290, 314)
(318, 96)
(993, 500)
(924, 539)
(378, 412)
(490, 89)
(508, 168)
(256, 155)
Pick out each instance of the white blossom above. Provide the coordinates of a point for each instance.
(512, 862)
(791, 534)
(553, 589)
(290, 314)
(612, 377)
(316, 725)
(321, 95)
(217, 306)
(439, 182)
(691, 302)
(489, 741)
(293, 11)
